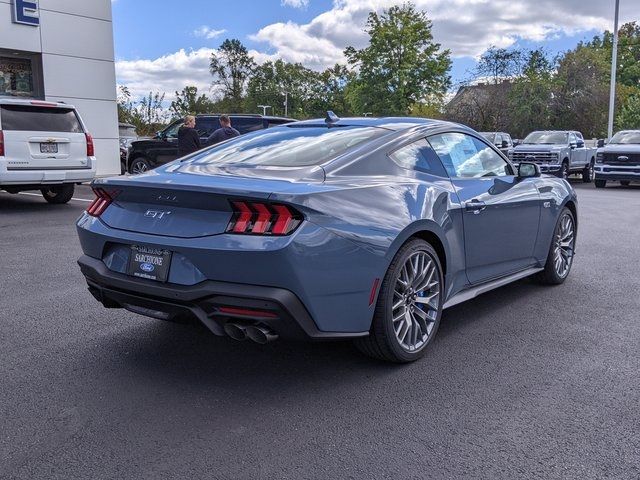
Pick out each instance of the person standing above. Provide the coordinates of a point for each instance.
(188, 138)
(225, 132)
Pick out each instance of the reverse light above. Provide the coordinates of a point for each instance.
(1, 144)
(257, 218)
(102, 201)
(91, 151)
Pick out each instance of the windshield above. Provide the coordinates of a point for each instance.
(547, 138)
(489, 136)
(626, 137)
(288, 146)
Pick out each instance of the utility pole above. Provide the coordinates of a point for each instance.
(286, 104)
(614, 65)
(264, 109)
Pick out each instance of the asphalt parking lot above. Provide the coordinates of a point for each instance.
(523, 382)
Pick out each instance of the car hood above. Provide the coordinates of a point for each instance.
(538, 147)
(620, 148)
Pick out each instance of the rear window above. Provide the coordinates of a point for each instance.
(39, 119)
(288, 146)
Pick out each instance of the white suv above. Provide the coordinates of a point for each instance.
(44, 146)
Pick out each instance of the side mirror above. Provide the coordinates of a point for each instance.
(505, 144)
(528, 170)
(600, 143)
(160, 135)
(572, 145)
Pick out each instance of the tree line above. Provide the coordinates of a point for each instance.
(403, 71)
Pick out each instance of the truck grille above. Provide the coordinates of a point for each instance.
(537, 156)
(614, 158)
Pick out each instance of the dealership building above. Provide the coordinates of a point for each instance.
(62, 51)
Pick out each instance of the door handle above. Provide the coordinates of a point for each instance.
(475, 206)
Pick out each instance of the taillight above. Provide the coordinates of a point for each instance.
(1, 144)
(101, 202)
(256, 218)
(90, 148)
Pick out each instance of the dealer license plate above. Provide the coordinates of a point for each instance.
(149, 263)
(48, 147)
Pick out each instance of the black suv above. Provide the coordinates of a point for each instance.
(163, 148)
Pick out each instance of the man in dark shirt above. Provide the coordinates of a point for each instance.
(188, 138)
(225, 131)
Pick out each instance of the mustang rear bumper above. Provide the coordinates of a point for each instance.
(208, 301)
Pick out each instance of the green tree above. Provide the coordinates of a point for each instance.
(498, 64)
(149, 115)
(188, 102)
(401, 66)
(125, 104)
(231, 67)
(629, 116)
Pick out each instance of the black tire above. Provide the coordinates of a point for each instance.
(550, 275)
(139, 165)
(625, 183)
(564, 170)
(600, 183)
(58, 194)
(587, 173)
(382, 342)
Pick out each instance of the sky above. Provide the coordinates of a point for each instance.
(163, 45)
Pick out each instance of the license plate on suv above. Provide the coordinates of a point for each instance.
(149, 263)
(48, 147)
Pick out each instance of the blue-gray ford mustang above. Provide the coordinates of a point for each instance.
(356, 228)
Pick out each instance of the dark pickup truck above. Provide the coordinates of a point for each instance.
(163, 148)
(560, 153)
(619, 160)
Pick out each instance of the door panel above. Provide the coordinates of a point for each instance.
(501, 213)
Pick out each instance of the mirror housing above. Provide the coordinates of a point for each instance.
(600, 143)
(505, 144)
(572, 145)
(528, 170)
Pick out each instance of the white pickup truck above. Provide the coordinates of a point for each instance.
(44, 146)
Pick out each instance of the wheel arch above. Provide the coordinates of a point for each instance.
(428, 231)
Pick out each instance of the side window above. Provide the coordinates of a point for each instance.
(509, 140)
(172, 130)
(206, 125)
(572, 138)
(419, 156)
(498, 139)
(246, 124)
(467, 157)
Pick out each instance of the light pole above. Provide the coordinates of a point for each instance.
(286, 104)
(264, 109)
(614, 62)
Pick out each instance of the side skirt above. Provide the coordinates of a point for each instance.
(473, 292)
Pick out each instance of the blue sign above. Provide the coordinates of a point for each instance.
(26, 12)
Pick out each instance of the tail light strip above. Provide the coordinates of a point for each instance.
(101, 202)
(91, 151)
(257, 218)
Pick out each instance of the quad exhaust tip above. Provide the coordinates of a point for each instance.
(235, 331)
(261, 334)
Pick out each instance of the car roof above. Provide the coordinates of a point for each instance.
(245, 115)
(390, 123)
(33, 102)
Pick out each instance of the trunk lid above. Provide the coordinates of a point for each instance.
(186, 201)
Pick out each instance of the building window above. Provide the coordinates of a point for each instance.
(20, 75)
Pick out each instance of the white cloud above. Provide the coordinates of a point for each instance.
(207, 32)
(466, 27)
(295, 3)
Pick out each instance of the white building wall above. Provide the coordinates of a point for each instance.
(75, 38)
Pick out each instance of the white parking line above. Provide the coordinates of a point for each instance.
(39, 195)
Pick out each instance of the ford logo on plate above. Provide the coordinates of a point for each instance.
(147, 267)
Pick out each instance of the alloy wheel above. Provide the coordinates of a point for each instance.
(564, 246)
(416, 301)
(139, 167)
